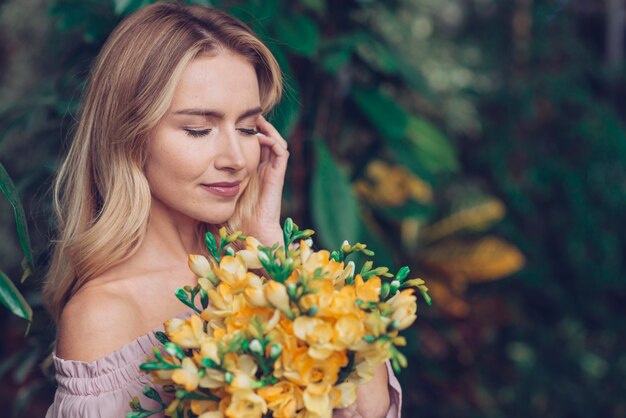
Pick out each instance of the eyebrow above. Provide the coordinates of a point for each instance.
(215, 114)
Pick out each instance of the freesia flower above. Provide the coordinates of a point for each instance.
(343, 395)
(199, 406)
(317, 399)
(317, 333)
(276, 294)
(186, 333)
(283, 399)
(246, 404)
(348, 330)
(281, 343)
(404, 308)
(187, 376)
(251, 253)
(233, 271)
(199, 265)
(254, 293)
(367, 291)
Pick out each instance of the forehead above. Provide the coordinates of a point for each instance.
(225, 80)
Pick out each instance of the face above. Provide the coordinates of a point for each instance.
(205, 149)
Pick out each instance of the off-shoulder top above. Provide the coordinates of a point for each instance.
(103, 388)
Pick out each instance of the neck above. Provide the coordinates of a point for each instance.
(170, 237)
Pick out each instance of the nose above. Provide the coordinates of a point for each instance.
(229, 155)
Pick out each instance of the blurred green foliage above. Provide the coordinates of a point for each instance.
(467, 131)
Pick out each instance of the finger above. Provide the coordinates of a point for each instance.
(268, 129)
(278, 147)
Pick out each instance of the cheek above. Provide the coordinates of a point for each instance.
(252, 152)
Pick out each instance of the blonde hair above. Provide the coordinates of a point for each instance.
(101, 196)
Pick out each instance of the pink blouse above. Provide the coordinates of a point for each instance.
(103, 388)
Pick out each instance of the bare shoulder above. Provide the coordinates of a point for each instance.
(98, 320)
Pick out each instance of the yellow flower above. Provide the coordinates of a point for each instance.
(367, 291)
(363, 371)
(404, 308)
(349, 329)
(317, 399)
(244, 372)
(212, 414)
(201, 406)
(317, 333)
(233, 271)
(276, 294)
(246, 404)
(375, 353)
(254, 293)
(283, 399)
(251, 253)
(268, 319)
(343, 395)
(187, 376)
(342, 302)
(223, 302)
(375, 324)
(199, 265)
(186, 333)
(208, 349)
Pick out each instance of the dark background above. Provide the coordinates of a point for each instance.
(480, 142)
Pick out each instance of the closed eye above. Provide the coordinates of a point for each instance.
(248, 131)
(197, 133)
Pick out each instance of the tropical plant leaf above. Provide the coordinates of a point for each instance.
(432, 147)
(335, 209)
(387, 116)
(123, 7)
(299, 32)
(8, 189)
(11, 297)
(468, 261)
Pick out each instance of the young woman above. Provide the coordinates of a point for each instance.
(171, 143)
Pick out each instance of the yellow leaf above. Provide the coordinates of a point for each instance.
(474, 217)
(489, 258)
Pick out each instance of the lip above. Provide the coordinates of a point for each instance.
(224, 188)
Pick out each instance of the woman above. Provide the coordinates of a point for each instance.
(171, 143)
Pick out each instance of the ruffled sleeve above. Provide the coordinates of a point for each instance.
(103, 388)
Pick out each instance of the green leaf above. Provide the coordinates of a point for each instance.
(299, 32)
(13, 299)
(152, 394)
(318, 6)
(124, 7)
(431, 146)
(333, 61)
(384, 113)
(8, 190)
(335, 209)
(121, 6)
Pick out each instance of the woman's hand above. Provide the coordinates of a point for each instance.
(372, 398)
(265, 222)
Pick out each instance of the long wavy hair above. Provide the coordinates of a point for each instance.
(101, 196)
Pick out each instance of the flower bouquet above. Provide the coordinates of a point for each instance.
(281, 331)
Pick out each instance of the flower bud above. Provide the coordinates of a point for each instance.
(275, 351)
(199, 265)
(276, 294)
(228, 377)
(256, 347)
